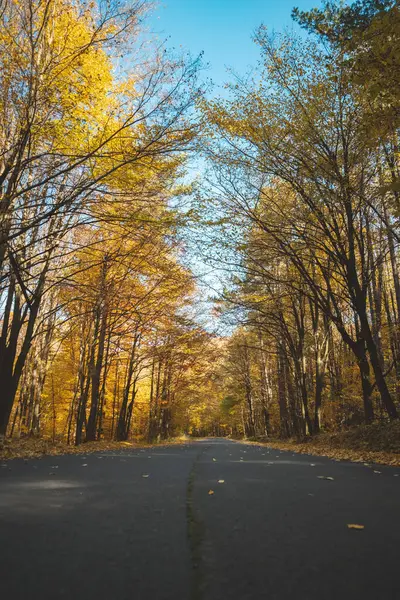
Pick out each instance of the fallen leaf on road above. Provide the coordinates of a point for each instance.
(378, 472)
(325, 477)
(85, 465)
(210, 492)
(144, 475)
(221, 480)
(355, 526)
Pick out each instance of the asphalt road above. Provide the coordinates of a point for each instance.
(143, 525)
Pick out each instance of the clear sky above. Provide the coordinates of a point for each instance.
(222, 28)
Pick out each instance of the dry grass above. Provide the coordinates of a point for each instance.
(31, 447)
(368, 443)
(35, 447)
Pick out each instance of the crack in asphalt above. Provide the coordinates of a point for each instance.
(195, 533)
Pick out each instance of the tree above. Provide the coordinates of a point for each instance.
(290, 160)
(72, 134)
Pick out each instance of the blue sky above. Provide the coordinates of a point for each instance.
(222, 28)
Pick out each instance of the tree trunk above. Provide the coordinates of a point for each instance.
(283, 411)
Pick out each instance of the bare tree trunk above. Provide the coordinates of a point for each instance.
(91, 428)
(283, 411)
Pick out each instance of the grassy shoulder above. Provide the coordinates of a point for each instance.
(374, 443)
(31, 447)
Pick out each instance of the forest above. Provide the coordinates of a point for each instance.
(108, 331)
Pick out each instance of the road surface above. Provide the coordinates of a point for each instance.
(144, 525)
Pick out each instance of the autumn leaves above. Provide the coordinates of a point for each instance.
(90, 278)
(300, 210)
(304, 223)
(220, 481)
